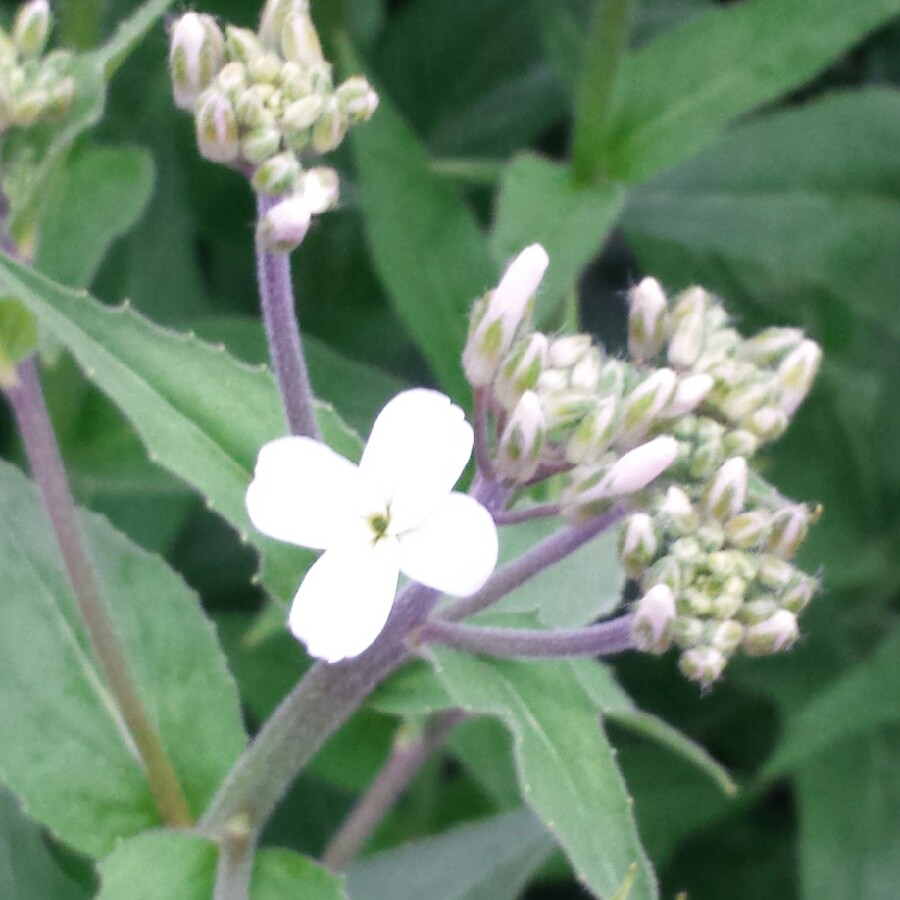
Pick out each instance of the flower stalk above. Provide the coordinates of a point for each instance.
(283, 332)
(36, 429)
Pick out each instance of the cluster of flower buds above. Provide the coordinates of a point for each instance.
(668, 433)
(263, 101)
(34, 86)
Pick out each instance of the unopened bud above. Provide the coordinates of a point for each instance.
(302, 114)
(320, 188)
(491, 334)
(727, 604)
(61, 97)
(748, 530)
(284, 226)
(770, 345)
(594, 433)
(260, 144)
(690, 392)
(687, 327)
(711, 536)
(775, 572)
(647, 401)
(725, 636)
(637, 468)
(666, 571)
(217, 129)
(688, 631)
(638, 544)
(32, 28)
(196, 55)
(789, 529)
(654, 616)
(677, 512)
(727, 492)
(798, 593)
(777, 633)
(242, 44)
(687, 550)
(767, 424)
(329, 129)
(585, 374)
(277, 175)
(357, 99)
(519, 448)
(265, 68)
(300, 40)
(9, 56)
(28, 107)
(797, 373)
(703, 665)
(758, 610)
(646, 319)
(565, 351)
(521, 370)
(744, 399)
(272, 19)
(740, 442)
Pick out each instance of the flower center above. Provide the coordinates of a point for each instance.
(379, 524)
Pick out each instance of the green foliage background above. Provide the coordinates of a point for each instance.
(752, 147)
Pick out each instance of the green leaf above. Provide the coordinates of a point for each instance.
(492, 859)
(18, 336)
(426, 244)
(540, 201)
(27, 869)
(806, 197)
(163, 865)
(857, 703)
(96, 197)
(65, 750)
(567, 770)
(678, 93)
(201, 414)
(849, 810)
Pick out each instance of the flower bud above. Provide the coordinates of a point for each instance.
(688, 631)
(748, 530)
(521, 370)
(302, 114)
(638, 544)
(61, 98)
(690, 392)
(284, 226)
(265, 68)
(277, 175)
(768, 423)
(664, 571)
(251, 111)
(789, 528)
(357, 99)
(491, 333)
(320, 188)
(196, 55)
(28, 107)
(272, 19)
(711, 536)
(725, 636)
(232, 80)
(519, 448)
(646, 319)
(32, 28)
(703, 665)
(744, 399)
(9, 56)
(775, 572)
(726, 493)
(594, 433)
(300, 41)
(796, 374)
(242, 44)
(798, 593)
(676, 512)
(216, 127)
(770, 345)
(637, 468)
(758, 610)
(687, 550)
(778, 632)
(654, 617)
(260, 144)
(647, 401)
(727, 604)
(329, 129)
(565, 351)
(687, 327)
(740, 442)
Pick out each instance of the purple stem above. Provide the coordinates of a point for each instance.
(526, 514)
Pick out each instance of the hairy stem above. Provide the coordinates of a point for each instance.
(27, 401)
(541, 556)
(526, 513)
(404, 763)
(482, 436)
(602, 639)
(273, 271)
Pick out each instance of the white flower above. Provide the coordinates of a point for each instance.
(394, 512)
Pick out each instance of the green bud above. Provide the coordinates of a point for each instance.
(773, 635)
(302, 114)
(653, 620)
(749, 530)
(796, 374)
(725, 636)
(277, 175)
(638, 544)
(28, 107)
(775, 572)
(197, 51)
(694, 602)
(32, 28)
(768, 423)
(18, 339)
(647, 401)
(728, 603)
(725, 496)
(688, 631)
(329, 129)
(758, 610)
(594, 433)
(521, 370)
(61, 97)
(265, 69)
(520, 445)
(272, 19)
(798, 593)
(770, 345)
(687, 327)
(217, 128)
(9, 56)
(703, 665)
(251, 112)
(300, 40)
(357, 99)
(710, 536)
(744, 399)
(666, 571)
(242, 44)
(260, 145)
(740, 442)
(647, 319)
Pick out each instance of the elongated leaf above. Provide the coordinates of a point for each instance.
(427, 247)
(200, 413)
(65, 751)
(487, 860)
(679, 92)
(849, 807)
(163, 865)
(539, 201)
(94, 199)
(27, 869)
(805, 197)
(567, 770)
(860, 701)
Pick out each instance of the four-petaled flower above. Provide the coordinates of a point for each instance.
(394, 512)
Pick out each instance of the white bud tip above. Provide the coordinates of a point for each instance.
(522, 278)
(637, 468)
(285, 225)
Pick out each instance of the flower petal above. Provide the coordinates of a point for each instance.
(454, 550)
(420, 444)
(304, 493)
(345, 599)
